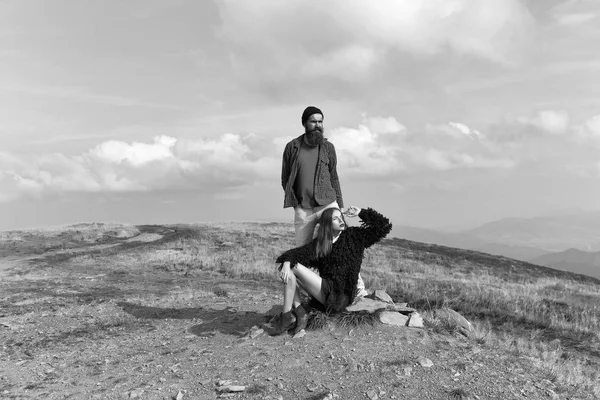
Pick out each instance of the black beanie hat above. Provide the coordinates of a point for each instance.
(308, 111)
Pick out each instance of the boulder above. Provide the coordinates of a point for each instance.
(455, 318)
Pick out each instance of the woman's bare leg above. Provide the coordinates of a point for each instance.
(290, 291)
(310, 282)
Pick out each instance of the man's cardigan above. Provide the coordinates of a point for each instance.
(327, 185)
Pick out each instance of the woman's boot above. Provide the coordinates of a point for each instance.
(301, 318)
(284, 322)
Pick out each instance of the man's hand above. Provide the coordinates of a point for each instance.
(353, 211)
(285, 272)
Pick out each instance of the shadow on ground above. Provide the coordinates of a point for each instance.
(228, 321)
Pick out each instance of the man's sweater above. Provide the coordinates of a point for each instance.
(342, 265)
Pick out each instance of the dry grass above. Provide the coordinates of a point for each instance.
(550, 317)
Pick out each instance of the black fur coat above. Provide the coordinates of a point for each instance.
(342, 265)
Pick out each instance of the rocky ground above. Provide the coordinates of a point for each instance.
(118, 333)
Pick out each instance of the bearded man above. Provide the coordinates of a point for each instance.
(309, 178)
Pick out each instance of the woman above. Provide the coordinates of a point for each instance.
(337, 254)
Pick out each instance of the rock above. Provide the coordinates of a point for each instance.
(382, 295)
(407, 371)
(366, 304)
(255, 331)
(371, 394)
(452, 316)
(393, 318)
(425, 362)
(179, 396)
(231, 389)
(401, 308)
(312, 387)
(136, 394)
(415, 320)
(300, 334)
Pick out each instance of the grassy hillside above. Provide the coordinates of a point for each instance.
(548, 316)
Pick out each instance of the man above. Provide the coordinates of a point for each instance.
(309, 178)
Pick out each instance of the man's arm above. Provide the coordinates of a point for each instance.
(285, 166)
(335, 181)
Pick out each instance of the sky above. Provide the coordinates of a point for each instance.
(444, 113)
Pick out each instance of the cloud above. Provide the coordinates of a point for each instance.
(348, 39)
(382, 147)
(136, 154)
(377, 148)
(551, 121)
(79, 95)
(588, 132)
(117, 166)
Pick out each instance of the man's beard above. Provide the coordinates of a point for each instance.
(314, 137)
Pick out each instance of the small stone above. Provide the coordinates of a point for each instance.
(300, 334)
(254, 333)
(231, 389)
(425, 362)
(415, 320)
(407, 371)
(371, 394)
(137, 393)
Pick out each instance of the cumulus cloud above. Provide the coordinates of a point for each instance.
(377, 148)
(382, 146)
(347, 39)
(117, 166)
(135, 153)
(551, 121)
(589, 131)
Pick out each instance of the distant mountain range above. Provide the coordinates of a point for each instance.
(568, 240)
(467, 241)
(573, 260)
(552, 233)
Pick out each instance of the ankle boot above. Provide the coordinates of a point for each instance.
(301, 318)
(285, 322)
